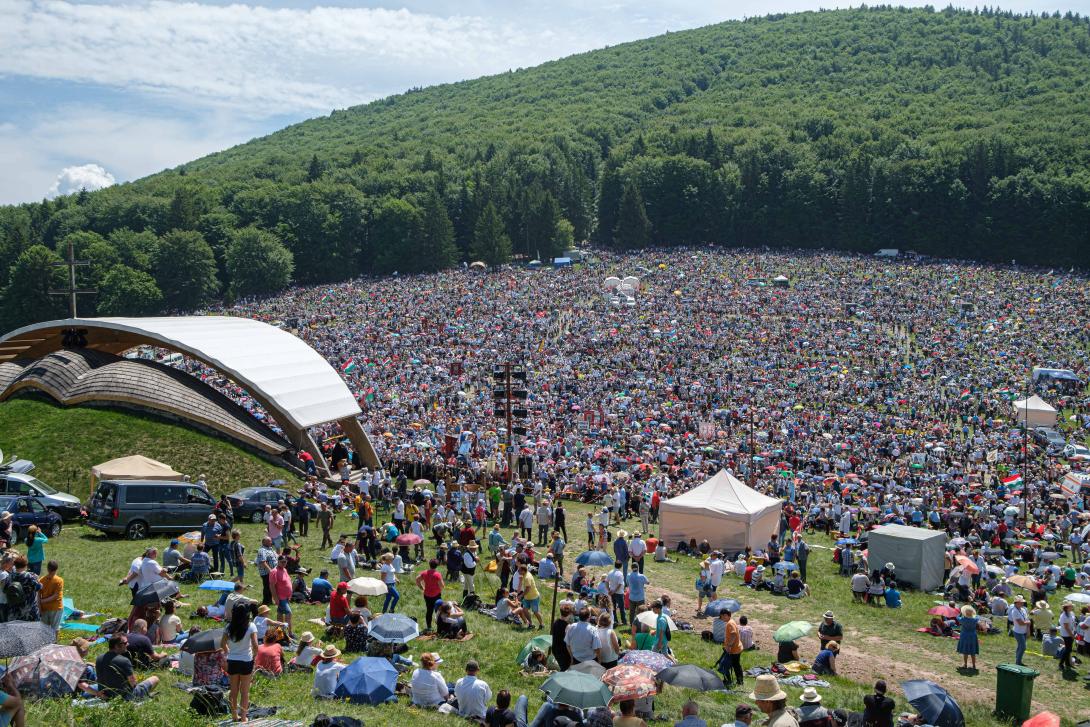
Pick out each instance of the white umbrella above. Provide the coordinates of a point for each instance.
(367, 587)
(1078, 598)
(648, 619)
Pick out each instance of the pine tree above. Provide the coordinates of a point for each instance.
(633, 228)
(437, 247)
(314, 169)
(490, 242)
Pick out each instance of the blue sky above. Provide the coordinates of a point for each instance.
(97, 92)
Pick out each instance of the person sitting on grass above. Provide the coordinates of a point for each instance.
(140, 650)
(307, 653)
(451, 622)
(509, 608)
(12, 711)
(355, 634)
(326, 672)
(320, 588)
(115, 673)
(795, 587)
(200, 565)
(825, 661)
(429, 688)
(270, 657)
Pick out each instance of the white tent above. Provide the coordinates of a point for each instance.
(1034, 412)
(723, 511)
(136, 467)
(917, 553)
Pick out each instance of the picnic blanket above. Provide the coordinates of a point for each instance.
(263, 722)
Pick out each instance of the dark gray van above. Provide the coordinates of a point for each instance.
(138, 508)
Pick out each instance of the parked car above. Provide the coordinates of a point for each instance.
(27, 511)
(138, 508)
(249, 502)
(15, 483)
(1076, 450)
(1049, 437)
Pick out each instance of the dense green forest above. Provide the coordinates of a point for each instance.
(953, 133)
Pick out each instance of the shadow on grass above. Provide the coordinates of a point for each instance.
(968, 671)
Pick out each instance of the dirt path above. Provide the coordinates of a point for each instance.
(865, 665)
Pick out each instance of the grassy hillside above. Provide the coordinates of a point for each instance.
(65, 443)
(955, 133)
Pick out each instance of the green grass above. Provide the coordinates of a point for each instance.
(64, 443)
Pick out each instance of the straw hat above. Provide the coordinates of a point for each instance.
(767, 689)
(1040, 604)
(262, 610)
(330, 652)
(306, 637)
(473, 545)
(810, 696)
(968, 611)
(1019, 598)
(828, 614)
(622, 534)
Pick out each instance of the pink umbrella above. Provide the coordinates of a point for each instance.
(408, 539)
(967, 563)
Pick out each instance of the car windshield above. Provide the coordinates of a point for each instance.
(41, 486)
(245, 493)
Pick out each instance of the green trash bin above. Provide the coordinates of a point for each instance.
(1014, 691)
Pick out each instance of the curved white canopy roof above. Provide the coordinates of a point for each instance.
(290, 378)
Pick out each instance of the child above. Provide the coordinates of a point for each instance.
(745, 633)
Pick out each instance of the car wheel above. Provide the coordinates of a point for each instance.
(55, 529)
(137, 530)
(257, 517)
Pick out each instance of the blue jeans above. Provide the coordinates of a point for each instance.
(1020, 649)
(392, 597)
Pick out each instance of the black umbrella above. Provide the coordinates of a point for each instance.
(933, 703)
(203, 641)
(689, 676)
(157, 592)
(20, 638)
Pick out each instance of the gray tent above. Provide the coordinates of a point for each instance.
(918, 553)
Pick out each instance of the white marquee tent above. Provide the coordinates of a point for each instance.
(1034, 412)
(723, 511)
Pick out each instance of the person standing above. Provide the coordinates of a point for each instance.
(615, 588)
(35, 552)
(544, 522)
(280, 585)
(526, 523)
(560, 517)
(637, 582)
(1019, 621)
(51, 597)
(325, 521)
(968, 643)
(802, 554)
(430, 582)
(469, 567)
(265, 562)
(716, 568)
(389, 577)
(620, 551)
(302, 515)
(1068, 623)
(637, 549)
(240, 644)
(731, 660)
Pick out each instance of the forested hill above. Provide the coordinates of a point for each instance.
(961, 134)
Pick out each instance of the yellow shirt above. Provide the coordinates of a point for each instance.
(529, 588)
(52, 586)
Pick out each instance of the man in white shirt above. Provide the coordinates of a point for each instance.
(1019, 621)
(1068, 624)
(526, 522)
(636, 550)
(582, 639)
(327, 671)
(544, 522)
(615, 589)
(716, 569)
(473, 694)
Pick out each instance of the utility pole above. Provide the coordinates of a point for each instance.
(505, 397)
(72, 291)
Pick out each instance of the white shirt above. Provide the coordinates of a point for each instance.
(473, 696)
(388, 574)
(716, 569)
(325, 677)
(636, 548)
(1015, 614)
(242, 650)
(1067, 624)
(429, 688)
(148, 572)
(615, 582)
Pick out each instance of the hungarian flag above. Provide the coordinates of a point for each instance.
(964, 395)
(349, 366)
(328, 296)
(1015, 479)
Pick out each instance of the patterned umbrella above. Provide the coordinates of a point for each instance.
(630, 681)
(19, 638)
(394, 628)
(653, 660)
(47, 666)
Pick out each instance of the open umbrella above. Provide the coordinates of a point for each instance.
(716, 607)
(367, 680)
(1078, 598)
(1044, 719)
(393, 628)
(541, 642)
(689, 676)
(1023, 581)
(785, 565)
(203, 641)
(157, 592)
(591, 668)
(847, 541)
(576, 690)
(792, 630)
(967, 563)
(944, 611)
(653, 660)
(649, 619)
(367, 587)
(630, 681)
(217, 586)
(934, 704)
(19, 638)
(408, 539)
(594, 558)
(45, 670)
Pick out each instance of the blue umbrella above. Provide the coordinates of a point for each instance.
(719, 605)
(367, 680)
(933, 703)
(594, 557)
(847, 541)
(217, 586)
(786, 566)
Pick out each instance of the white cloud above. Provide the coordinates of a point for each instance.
(85, 176)
(263, 60)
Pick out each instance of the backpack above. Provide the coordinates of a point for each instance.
(112, 626)
(209, 701)
(15, 592)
